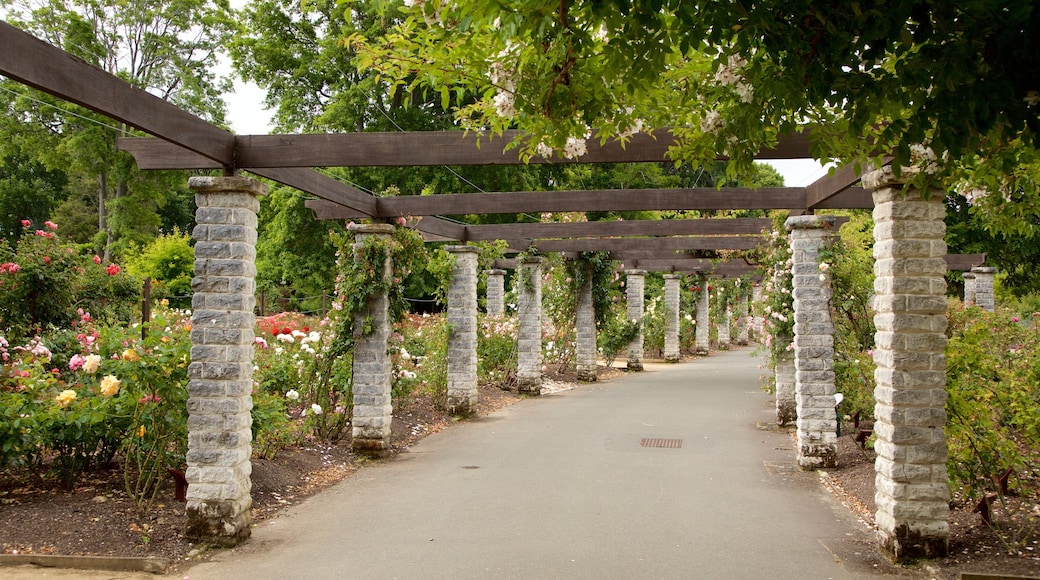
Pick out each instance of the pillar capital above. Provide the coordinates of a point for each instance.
(532, 260)
(886, 177)
(635, 272)
(673, 276)
(233, 184)
(983, 270)
(462, 249)
(807, 222)
(495, 272)
(371, 228)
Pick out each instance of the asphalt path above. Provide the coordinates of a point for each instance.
(561, 486)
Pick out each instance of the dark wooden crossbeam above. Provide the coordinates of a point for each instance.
(964, 262)
(618, 228)
(35, 63)
(418, 149)
(669, 244)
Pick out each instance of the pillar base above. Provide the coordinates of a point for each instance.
(905, 545)
(463, 405)
(587, 376)
(786, 413)
(634, 365)
(222, 523)
(672, 358)
(817, 456)
(701, 351)
(372, 448)
(529, 386)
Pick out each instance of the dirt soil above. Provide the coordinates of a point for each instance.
(96, 518)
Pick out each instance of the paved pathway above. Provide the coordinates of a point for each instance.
(559, 487)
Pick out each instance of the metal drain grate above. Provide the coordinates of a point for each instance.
(661, 443)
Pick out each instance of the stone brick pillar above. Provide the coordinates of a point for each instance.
(786, 407)
(529, 307)
(462, 340)
(813, 344)
(671, 317)
(220, 376)
(983, 287)
(727, 316)
(702, 336)
(742, 318)
(585, 336)
(634, 286)
(969, 288)
(496, 292)
(373, 409)
(912, 496)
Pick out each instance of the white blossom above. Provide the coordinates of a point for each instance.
(712, 122)
(292, 395)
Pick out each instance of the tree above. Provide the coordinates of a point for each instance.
(949, 87)
(166, 48)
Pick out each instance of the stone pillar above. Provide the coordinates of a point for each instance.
(742, 319)
(983, 287)
(585, 336)
(462, 340)
(702, 336)
(529, 307)
(496, 292)
(727, 317)
(634, 286)
(220, 376)
(813, 344)
(786, 407)
(373, 409)
(671, 317)
(969, 288)
(912, 496)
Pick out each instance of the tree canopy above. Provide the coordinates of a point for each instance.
(951, 87)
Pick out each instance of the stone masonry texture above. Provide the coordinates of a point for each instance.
(969, 288)
(982, 288)
(529, 347)
(912, 496)
(220, 375)
(462, 340)
(496, 292)
(634, 287)
(702, 334)
(742, 318)
(727, 317)
(671, 317)
(786, 407)
(813, 344)
(373, 409)
(585, 336)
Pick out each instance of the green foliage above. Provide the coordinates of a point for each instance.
(419, 353)
(169, 261)
(992, 391)
(497, 350)
(44, 282)
(614, 336)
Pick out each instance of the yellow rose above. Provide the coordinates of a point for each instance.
(140, 431)
(109, 385)
(91, 364)
(65, 398)
(131, 355)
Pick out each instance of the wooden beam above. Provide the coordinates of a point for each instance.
(592, 200)
(851, 198)
(423, 148)
(42, 66)
(328, 210)
(323, 186)
(669, 244)
(618, 228)
(964, 262)
(724, 268)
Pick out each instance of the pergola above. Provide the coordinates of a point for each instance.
(218, 506)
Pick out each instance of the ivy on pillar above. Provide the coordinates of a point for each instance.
(813, 344)
(529, 308)
(496, 292)
(912, 496)
(462, 339)
(983, 287)
(671, 317)
(702, 336)
(373, 408)
(220, 375)
(585, 335)
(634, 281)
